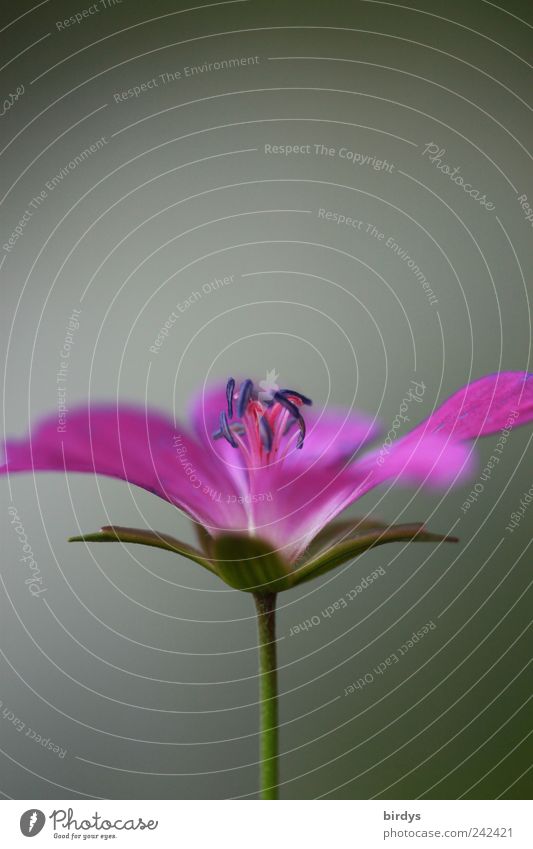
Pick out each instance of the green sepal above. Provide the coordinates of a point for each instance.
(339, 531)
(353, 545)
(249, 564)
(115, 533)
(205, 540)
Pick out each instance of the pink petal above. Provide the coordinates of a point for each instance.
(140, 446)
(302, 505)
(203, 413)
(484, 407)
(429, 459)
(334, 435)
(204, 409)
(292, 508)
(432, 454)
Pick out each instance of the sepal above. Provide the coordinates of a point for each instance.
(140, 536)
(249, 564)
(353, 545)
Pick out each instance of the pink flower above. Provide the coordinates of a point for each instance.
(263, 476)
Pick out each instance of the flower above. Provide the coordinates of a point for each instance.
(264, 476)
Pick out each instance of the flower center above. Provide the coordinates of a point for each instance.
(262, 426)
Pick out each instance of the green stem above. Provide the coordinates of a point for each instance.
(266, 621)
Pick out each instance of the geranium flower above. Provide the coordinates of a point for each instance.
(263, 477)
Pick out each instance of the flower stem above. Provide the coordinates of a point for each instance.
(265, 604)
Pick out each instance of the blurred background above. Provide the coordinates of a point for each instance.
(149, 152)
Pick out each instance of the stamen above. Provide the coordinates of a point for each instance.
(230, 389)
(225, 430)
(245, 393)
(290, 424)
(265, 432)
(262, 428)
(295, 412)
(303, 398)
(301, 435)
(292, 408)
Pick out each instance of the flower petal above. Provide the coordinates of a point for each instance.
(334, 435)
(204, 414)
(300, 507)
(140, 446)
(204, 410)
(484, 406)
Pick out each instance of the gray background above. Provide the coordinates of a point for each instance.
(139, 664)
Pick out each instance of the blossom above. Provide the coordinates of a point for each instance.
(264, 476)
